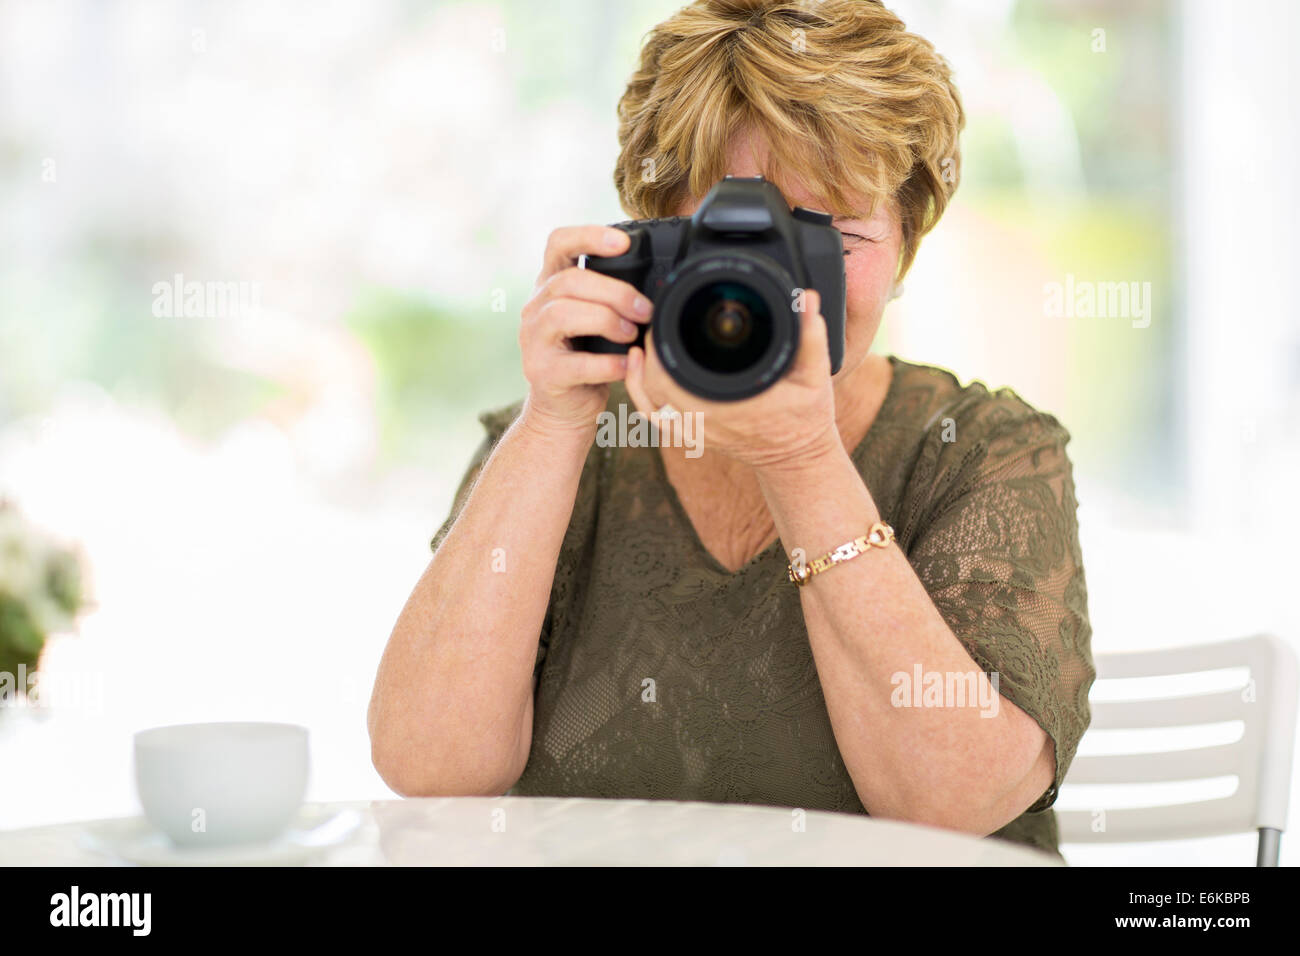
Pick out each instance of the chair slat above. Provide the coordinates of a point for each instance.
(1170, 712)
(1183, 821)
(1197, 764)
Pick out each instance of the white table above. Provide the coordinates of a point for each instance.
(534, 831)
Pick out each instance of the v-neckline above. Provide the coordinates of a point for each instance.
(680, 510)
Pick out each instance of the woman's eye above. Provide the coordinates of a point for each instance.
(853, 241)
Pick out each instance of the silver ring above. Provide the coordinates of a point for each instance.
(666, 411)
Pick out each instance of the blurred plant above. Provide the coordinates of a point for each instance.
(433, 361)
(41, 593)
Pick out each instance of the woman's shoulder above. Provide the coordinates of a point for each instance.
(971, 446)
(936, 399)
(496, 420)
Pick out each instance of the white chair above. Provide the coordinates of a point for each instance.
(1260, 760)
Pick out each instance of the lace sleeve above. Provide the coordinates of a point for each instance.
(998, 552)
(495, 423)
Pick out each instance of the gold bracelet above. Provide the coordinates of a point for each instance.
(878, 537)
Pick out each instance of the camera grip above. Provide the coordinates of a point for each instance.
(630, 267)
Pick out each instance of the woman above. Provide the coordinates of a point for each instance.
(623, 622)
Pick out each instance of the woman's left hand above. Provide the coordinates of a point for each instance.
(782, 425)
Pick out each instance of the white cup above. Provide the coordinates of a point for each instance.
(221, 784)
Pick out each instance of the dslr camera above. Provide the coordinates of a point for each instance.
(727, 284)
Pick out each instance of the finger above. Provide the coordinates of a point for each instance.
(812, 301)
(565, 244)
(588, 368)
(635, 381)
(620, 296)
(635, 384)
(562, 319)
(812, 361)
(651, 388)
(653, 377)
(657, 381)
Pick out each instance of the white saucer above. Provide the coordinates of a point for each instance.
(134, 840)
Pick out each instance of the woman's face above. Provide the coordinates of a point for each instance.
(871, 250)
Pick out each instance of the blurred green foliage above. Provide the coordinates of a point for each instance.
(1123, 410)
(1113, 64)
(436, 363)
(96, 325)
(432, 362)
(41, 592)
(1120, 98)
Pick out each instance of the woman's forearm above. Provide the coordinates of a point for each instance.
(870, 619)
(452, 707)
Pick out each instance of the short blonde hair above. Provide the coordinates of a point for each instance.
(845, 98)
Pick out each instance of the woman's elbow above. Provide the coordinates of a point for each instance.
(413, 770)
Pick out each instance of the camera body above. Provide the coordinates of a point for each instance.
(727, 284)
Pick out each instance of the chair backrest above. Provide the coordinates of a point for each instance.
(1260, 760)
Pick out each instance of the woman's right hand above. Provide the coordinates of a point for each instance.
(452, 708)
(568, 388)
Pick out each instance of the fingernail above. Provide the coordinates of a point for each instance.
(627, 327)
(641, 306)
(614, 239)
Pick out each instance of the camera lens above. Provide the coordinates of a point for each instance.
(723, 326)
(728, 323)
(726, 326)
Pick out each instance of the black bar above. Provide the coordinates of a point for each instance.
(320, 905)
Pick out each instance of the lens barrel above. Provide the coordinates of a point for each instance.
(725, 326)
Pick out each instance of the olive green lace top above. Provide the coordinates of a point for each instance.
(661, 675)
